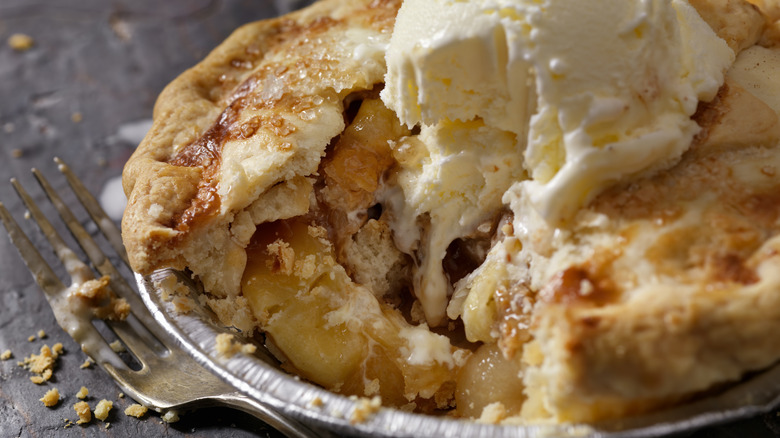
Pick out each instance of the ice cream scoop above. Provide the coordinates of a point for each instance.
(590, 93)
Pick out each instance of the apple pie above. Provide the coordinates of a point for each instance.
(278, 177)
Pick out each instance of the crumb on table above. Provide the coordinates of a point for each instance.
(5, 355)
(42, 364)
(136, 410)
(43, 377)
(83, 393)
(51, 398)
(82, 409)
(102, 409)
(20, 42)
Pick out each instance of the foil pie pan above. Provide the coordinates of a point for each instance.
(260, 377)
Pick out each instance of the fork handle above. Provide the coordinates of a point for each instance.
(288, 426)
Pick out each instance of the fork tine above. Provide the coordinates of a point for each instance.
(81, 272)
(106, 225)
(94, 253)
(101, 262)
(42, 272)
(91, 340)
(73, 265)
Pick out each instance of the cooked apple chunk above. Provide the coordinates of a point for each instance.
(335, 332)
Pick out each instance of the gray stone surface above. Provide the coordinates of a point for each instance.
(106, 60)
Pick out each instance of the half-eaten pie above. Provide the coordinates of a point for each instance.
(276, 174)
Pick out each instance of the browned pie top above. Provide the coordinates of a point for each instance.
(257, 112)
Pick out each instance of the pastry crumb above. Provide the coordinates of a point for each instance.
(170, 417)
(93, 290)
(16, 153)
(31, 338)
(51, 398)
(371, 387)
(282, 258)
(117, 309)
(5, 355)
(183, 305)
(136, 410)
(227, 345)
(82, 410)
(76, 117)
(316, 402)
(233, 312)
(42, 364)
(120, 28)
(83, 393)
(20, 42)
(102, 409)
(317, 232)
(365, 409)
(117, 346)
(178, 293)
(41, 334)
(121, 395)
(492, 413)
(87, 363)
(45, 376)
(104, 303)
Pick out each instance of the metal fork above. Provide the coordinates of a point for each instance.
(165, 380)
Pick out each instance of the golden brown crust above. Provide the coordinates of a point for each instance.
(667, 285)
(233, 121)
(738, 22)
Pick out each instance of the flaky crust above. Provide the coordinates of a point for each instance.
(670, 285)
(257, 113)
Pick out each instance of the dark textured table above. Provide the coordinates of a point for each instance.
(84, 92)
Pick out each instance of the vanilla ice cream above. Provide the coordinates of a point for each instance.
(580, 94)
(455, 173)
(458, 61)
(617, 84)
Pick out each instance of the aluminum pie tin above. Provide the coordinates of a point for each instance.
(259, 377)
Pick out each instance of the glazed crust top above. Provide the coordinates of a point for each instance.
(257, 113)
